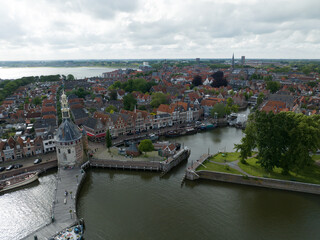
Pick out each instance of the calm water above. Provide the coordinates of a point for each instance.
(23, 211)
(140, 205)
(77, 72)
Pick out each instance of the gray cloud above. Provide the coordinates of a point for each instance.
(159, 29)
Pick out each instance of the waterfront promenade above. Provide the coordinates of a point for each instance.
(64, 206)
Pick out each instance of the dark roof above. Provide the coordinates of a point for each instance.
(45, 123)
(72, 96)
(68, 131)
(90, 123)
(79, 113)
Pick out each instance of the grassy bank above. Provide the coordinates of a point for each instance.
(210, 166)
(225, 157)
(310, 174)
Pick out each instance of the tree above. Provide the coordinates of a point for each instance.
(108, 140)
(113, 95)
(219, 80)
(70, 77)
(158, 98)
(220, 109)
(111, 109)
(283, 140)
(197, 80)
(37, 101)
(260, 99)
(146, 146)
(273, 86)
(129, 102)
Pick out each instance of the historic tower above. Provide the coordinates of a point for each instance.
(68, 139)
(232, 61)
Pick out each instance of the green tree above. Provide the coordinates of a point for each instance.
(70, 77)
(220, 109)
(108, 140)
(158, 98)
(273, 86)
(111, 109)
(113, 95)
(283, 140)
(129, 102)
(260, 99)
(37, 101)
(146, 146)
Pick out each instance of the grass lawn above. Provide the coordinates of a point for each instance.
(210, 166)
(225, 157)
(310, 174)
(316, 157)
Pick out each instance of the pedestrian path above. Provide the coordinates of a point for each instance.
(64, 205)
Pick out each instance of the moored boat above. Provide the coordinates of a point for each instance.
(153, 137)
(75, 233)
(190, 130)
(175, 133)
(18, 181)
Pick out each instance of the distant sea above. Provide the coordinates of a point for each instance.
(77, 72)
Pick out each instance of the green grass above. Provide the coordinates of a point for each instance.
(225, 157)
(310, 174)
(210, 166)
(316, 157)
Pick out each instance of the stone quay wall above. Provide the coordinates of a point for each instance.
(255, 181)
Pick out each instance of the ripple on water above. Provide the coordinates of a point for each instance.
(26, 210)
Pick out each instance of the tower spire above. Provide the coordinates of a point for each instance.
(232, 62)
(64, 106)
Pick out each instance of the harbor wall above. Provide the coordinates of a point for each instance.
(41, 167)
(164, 166)
(255, 181)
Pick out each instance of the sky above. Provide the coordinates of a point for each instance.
(151, 29)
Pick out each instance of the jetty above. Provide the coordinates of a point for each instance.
(164, 166)
(63, 214)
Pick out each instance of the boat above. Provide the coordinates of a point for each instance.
(190, 130)
(174, 133)
(207, 126)
(72, 233)
(18, 181)
(153, 137)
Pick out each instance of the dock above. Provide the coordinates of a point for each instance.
(64, 205)
(164, 166)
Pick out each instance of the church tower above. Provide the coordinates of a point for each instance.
(68, 139)
(232, 61)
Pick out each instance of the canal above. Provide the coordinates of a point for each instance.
(141, 205)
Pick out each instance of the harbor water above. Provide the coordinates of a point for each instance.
(140, 205)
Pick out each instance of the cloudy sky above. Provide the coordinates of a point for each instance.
(117, 29)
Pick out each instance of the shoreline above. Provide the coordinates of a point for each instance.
(272, 183)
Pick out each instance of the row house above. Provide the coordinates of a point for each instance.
(49, 144)
(142, 119)
(12, 149)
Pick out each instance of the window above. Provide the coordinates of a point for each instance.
(59, 150)
(69, 151)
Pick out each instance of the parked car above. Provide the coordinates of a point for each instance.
(2, 169)
(18, 166)
(38, 160)
(10, 167)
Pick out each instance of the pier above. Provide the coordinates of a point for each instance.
(164, 166)
(64, 205)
